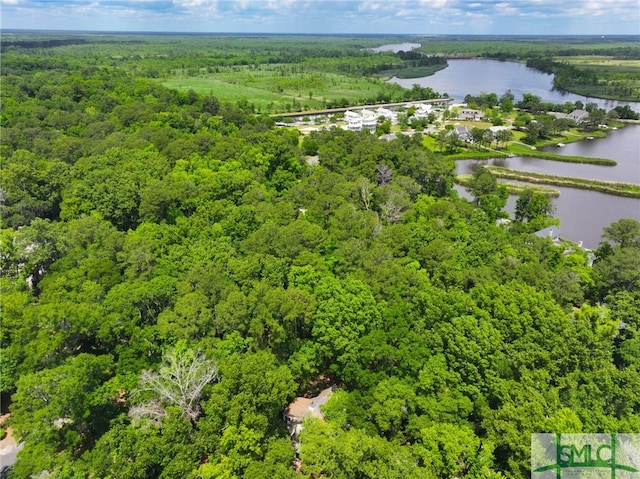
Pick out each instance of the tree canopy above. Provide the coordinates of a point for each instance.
(170, 255)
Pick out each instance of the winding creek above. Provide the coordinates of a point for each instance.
(582, 213)
(621, 145)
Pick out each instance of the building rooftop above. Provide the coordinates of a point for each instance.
(550, 232)
(303, 407)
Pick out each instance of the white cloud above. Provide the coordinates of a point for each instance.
(369, 6)
(435, 3)
(334, 16)
(208, 4)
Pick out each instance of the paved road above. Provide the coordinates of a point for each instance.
(8, 455)
(8, 452)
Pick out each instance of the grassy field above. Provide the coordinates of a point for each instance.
(222, 89)
(601, 62)
(618, 78)
(272, 88)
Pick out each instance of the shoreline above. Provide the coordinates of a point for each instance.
(512, 188)
(516, 148)
(629, 190)
(542, 155)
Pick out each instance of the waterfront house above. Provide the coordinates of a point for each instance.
(552, 232)
(579, 115)
(369, 120)
(354, 120)
(387, 114)
(463, 133)
(469, 114)
(423, 111)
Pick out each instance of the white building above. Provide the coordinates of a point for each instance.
(470, 114)
(387, 114)
(354, 120)
(369, 120)
(423, 111)
(365, 120)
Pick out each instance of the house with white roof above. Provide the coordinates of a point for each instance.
(365, 120)
(423, 111)
(354, 120)
(387, 114)
(369, 120)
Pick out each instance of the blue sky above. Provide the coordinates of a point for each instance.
(589, 17)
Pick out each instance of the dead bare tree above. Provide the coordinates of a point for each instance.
(179, 382)
(365, 192)
(384, 174)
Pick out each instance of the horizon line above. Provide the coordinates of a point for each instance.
(175, 32)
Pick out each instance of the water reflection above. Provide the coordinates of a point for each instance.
(623, 146)
(463, 77)
(583, 213)
(500, 162)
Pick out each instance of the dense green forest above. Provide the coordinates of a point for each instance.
(291, 73)
(175, 271)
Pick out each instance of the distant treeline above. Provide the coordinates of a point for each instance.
(48, 43)
(591, 79)
(409, 60)
(34, 43)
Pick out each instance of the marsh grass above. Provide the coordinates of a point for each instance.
(629, 190)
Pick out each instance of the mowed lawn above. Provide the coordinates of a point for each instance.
(273, 90)
(223, 90)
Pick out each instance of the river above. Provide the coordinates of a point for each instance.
(621, 145)
(396, 47)
(583, 213)
(463, 77)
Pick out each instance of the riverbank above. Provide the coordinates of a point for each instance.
(412, 72)
(628, 190)
(521, 150)
(545, 155)
(517, 148)
(594, 91)
(512, 188)
(469, 77)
